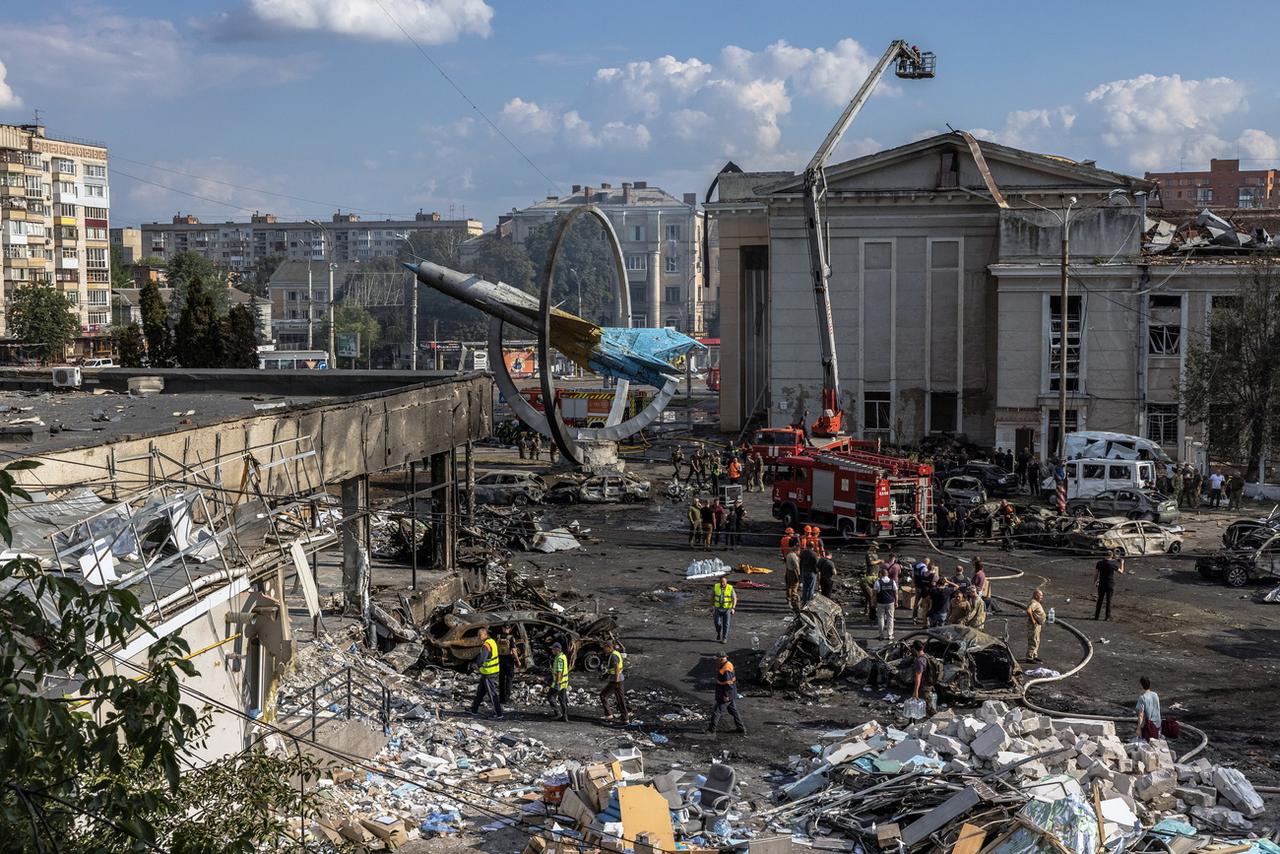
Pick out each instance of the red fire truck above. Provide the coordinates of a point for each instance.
(587, 407)
(776, 443)
(860, 493)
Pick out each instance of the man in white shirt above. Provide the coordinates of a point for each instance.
(1215, 489)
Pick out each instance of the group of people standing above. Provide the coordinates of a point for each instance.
(711, 468)
(713, 523)
(933, 600)
(809, 567)
(1191, 487)
(531, 446)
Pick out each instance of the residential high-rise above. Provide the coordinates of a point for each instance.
(54, 203)
(661, 239)
(129, 243)
(238, 246)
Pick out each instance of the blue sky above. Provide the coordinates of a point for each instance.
(329, 103)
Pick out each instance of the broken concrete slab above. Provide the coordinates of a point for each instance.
(1196, 796)
(1084, 726)
(1238, 791)
(1223, 817)
(1152, 785)
(946, 745)
(906, 750)
(991, 740)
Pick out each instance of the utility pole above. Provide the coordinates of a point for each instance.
(310, 313)
(413, 322)
(333, 350)
(1063, 332)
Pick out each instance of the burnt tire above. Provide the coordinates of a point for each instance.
(592, 661)
(1175, 547)
(789, 515)
(1235, 576)
(519, 500)
(1080, 512)
(847, 528)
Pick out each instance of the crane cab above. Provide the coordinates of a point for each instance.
(914, 65)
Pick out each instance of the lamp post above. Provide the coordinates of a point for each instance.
(328, 254)
(413, 308)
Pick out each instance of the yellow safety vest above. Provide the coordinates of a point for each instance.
(489, 667)
(560, 672)
(723, 595)
(615, 664)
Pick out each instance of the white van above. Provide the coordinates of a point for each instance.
(1086, 478)
(98, 363)
(1096, 444)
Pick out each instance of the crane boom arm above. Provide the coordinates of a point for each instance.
(831, 420)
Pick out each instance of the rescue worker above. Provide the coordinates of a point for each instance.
(1008, 521)
(715, 471)
(808, 573)
(788, 542)
(708, 524)
(1036, 618)
(816, 539)
(726, 695)
(960, 608)
(755, 467)
(486, 664)
(721, 516)
(735, 471)
(977, 616)
(826, 574)
(724, 599)
(886, 597)
(522, 445)
(614, 684)
(559, 687)
(791, 555)
(737, 522)
(677, 460)
(508, 662)
(695, 522)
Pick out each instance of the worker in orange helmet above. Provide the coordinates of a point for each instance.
(816, 539)
(788, 543)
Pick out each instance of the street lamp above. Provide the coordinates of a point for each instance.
(413, 307)
(333, 360)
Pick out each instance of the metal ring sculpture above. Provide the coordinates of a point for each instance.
(551, 424)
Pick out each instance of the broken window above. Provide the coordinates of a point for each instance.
(1162, 423)
(942, 411)
(1164, 333)
(876, 410)
(1073, 342)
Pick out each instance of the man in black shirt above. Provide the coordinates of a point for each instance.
(826, 574)
(1104, 576)
(940, 602)
(808, 574)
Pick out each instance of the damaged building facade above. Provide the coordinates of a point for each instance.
(946, 299)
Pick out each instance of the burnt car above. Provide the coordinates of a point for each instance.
(963, 489)
(1130, 537)
(1130, 503)
(975, 666)
(517, 488)
(1242, 528)
(600, 489)
(1255, 555)
(815, 646)
(451, 634)
(995, 480)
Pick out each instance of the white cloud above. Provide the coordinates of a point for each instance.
(527, 116)
(221, 180)
(7, 96)
(1258, 145)
(429, 21)
(546, 127)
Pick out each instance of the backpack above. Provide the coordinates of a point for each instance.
(932, 670)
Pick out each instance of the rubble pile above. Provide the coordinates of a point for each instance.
(814, 646)
(498, 532)
(1208, 231)
(1007, 780)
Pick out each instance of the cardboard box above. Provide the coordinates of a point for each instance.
(494, 775)
(389, 830)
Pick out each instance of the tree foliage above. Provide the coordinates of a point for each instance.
(41, 317)
(121, 275)
(198, 340)
(1232, 380)
(353, 318)
(186, 267)
(240, 343)
(155, 326)
(585, 259)
(93, 755)
(131, 345)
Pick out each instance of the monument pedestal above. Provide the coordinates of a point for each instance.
(600, 455)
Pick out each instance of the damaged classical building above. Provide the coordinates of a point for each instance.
(945, 292)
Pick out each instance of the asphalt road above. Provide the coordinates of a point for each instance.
(1213, 653)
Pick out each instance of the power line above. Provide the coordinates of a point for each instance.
(458, 89)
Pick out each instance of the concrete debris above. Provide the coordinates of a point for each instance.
(1208, 232)
(815, 646)
(1033, 783)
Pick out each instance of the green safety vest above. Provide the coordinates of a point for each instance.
(560, 672)
(723, 595)
(489, 667)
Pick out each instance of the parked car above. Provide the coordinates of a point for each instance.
(600, 489)
(963, 490)
(995, 480)
(510, 487)
(107, 362)
(1256, 555)
(1130, 503)
(1127, 536)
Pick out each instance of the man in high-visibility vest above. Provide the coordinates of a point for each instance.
(726, 694)
(614, 684)
(724, 599)
(486, 664)
(559, 688)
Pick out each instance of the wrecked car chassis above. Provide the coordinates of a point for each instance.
(815, 646)
(452, 637)
(974, 665)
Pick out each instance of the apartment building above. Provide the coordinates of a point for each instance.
(661, 239)
(128, 241)
(1223, 185)
(238, 246)
(54, 211)
(299, 301)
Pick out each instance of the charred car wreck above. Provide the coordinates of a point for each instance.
(815, 646)
(451, 635)
(971, 666)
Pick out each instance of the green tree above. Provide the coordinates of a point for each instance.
(585, 265)
(198, 338)
(184, 268)
(353, 318)
(155, 326)
(240, 344)
(94, 763)
(131, 345)
(1232, 380)
(121, 275)
(41, 317)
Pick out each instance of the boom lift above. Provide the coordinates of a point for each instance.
(911, 64)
